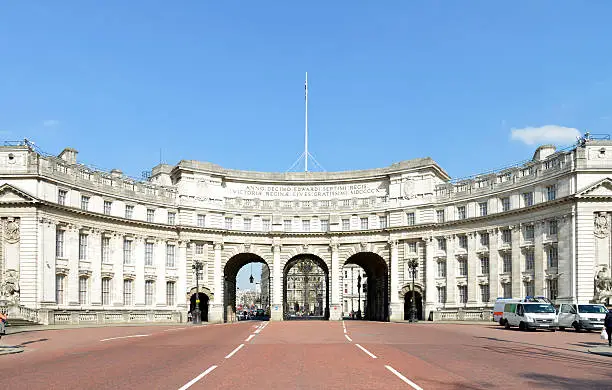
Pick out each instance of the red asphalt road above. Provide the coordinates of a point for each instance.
(306, 354)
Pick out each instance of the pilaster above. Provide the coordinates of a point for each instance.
(473, 269)
(277, 306)
(336, 302)
(396, 308)
(216, 314)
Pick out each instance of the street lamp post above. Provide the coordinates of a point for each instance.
(359, 296)
(413, 264)
(197, 267)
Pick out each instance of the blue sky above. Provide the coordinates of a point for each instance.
(222, 81)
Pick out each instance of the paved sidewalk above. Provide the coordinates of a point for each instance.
(9, 349)
(20, 329)
(604, 350)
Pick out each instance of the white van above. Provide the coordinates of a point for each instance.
(582, 316)
(530, 315)
(498, 308)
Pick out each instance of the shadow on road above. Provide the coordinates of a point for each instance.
(556, 382)
(31, 342)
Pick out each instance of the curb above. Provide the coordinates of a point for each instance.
(39, 328)
(601, 351)
(8, 350)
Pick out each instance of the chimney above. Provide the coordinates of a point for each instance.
(69, 155)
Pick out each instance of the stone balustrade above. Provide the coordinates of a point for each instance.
(463, 315)
(78, 317)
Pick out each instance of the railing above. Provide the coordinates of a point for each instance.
(77, 317)
(462, 315)
(28, 314)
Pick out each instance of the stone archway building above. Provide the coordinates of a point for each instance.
(84, 245)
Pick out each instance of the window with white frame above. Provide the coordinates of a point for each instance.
(324, 204)
(60, 285)
(247, 224)
(107, 207)
(382, 221)
(170, 255)
(170, 294)
(84, 202)
(149, 292)
(440, 216)
(305, 225)
(441, 294)
(201, 220)
(505, 202)
(552, 287)
(461, 212)
(248, 203)
(463, 267)
(463, 242)
(528, 199)
(529, 260)
(59, 243)
(265, 224)
(441, 244)
(287, 224)
(410, 220)
(441, 269)
(106, 250)
(199, 249)
(346, 202)
(150, 215)
(412, 247)
(484, 239)
(484, 293)
(127, 251)
(83, 291)
(61, 197)
(364, 223)
(106, 291)
(149, 254)
(325, 225)
(506, 236)
(483, 208)
(484, 265)
(129, 211)
(229, 222)
(552, 227)
(82, 246)
(528, 233)
(128, 298)
(171, 218)
(551, 192)
(507, 262)
(553, 257)
(463, 294)
(530, 288)
(507, 290)
(346, 224)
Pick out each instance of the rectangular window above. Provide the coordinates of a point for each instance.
(127, 292)
(306, 225)
(106, 291)
(412, 247)
(170, 295)
(84, 202)
(82, 246)
(346, 202)
(324, 204)
(364, 223)
(553, 257)
(325, 225)
(345, 273)
(484, 265)
(528, 199)
(507, 262)
(484, 293)
(463, 268)
(346, 224)
(229, 222)
(201, 220)
(529, 261)
(528, 233)
(440, 216)
(552, 227)
(171, 218)
(199, 249)
(287, 225)
(507, 290)
(462, 294)
(441, 269)
(551, 192)
(106, 249)
(83, 281)
(170, 255)
(61, 197)
(149, 254)
(530, 288)
(441, 244)
(59, 243)
(150, 215)
(149, 292)
(484, 239)
(463, 242)
(506, 236)
(60, 281)
(107, 207)
(265, 225)
(505, 204)
(247, 224)
(460, 212)
(129, 211)
(382, 221)
(127, 252)
(553, 288)
(410, 219)
(483, 209)
(441, 294)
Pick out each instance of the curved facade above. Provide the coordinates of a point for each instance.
(78, 242)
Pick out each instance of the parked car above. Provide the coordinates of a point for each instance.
(582, 316)
(530, 315)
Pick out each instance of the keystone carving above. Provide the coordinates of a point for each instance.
(602, 226)
(11, 231)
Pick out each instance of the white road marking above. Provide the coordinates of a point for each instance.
(348, 338)
(197, 378)
(126, 337)
(411, 383)
(366, 351)
(344, 330)
(234, 351)
(261, 327)
(249, 338)
(175, 329)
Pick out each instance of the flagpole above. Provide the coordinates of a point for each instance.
(306, 126)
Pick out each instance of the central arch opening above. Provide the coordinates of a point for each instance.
(248, 296)
(306, 288)
(377, 294)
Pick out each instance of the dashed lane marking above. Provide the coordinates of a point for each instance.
(126, 337)
(348, 338)
(197, 378)
(408, 381)
(344, 330)
(366, 351)
(234, 351)
(261, 327)
(249, 338)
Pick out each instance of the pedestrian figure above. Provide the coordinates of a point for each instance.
(3, 319)
(608, 325)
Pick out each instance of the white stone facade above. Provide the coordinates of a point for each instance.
(78, 240)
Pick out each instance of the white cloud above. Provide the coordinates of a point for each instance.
(50, 123)
(554, 134)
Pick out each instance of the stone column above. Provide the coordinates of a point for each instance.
(494, 284)
(517, 280)
(182, 271)
(564, 249)
(430, 275)
(48, 264)
(451, 272)
(139, 281)
(116, 249)
(396, 308)
(539, 258)
(336, 304)
(473, 263)
(159, 263)
(71, 251)
(216, 309)
(277, 302)
(95, 256)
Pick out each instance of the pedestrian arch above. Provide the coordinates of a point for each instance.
(230, 272)
(377, 294)
(306, 288)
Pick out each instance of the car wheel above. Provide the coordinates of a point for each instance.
(522, 326)
(562, 328)
(506, 324)
(576, 326)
